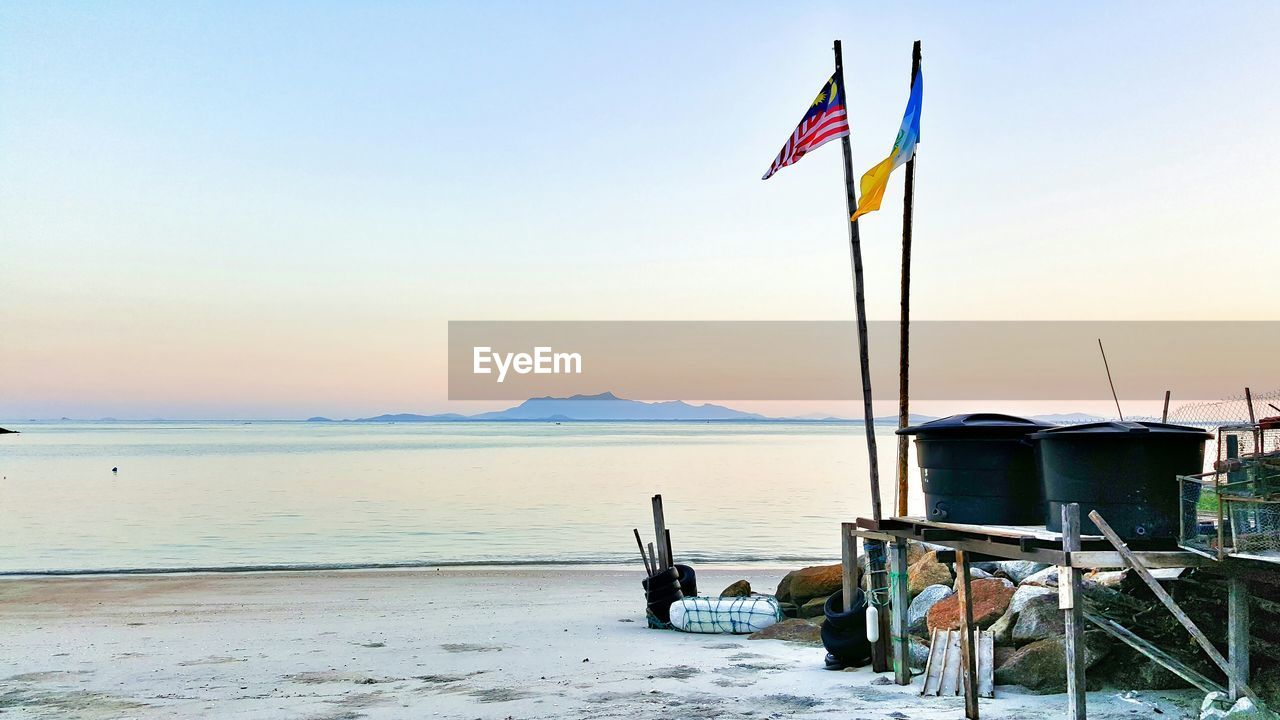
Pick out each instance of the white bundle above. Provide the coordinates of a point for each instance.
(738, 615)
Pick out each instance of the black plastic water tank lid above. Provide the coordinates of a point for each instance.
(1118, 428)
(987, 424)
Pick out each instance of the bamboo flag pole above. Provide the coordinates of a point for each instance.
(904, 323)
(855, 258)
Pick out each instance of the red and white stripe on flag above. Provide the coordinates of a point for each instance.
(813, 132)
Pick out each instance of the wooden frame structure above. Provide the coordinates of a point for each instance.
(1072, 553)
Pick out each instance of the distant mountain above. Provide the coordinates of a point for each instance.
(607, 406)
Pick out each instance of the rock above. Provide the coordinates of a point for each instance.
(1128, 669)
(801, 586)
(974, 574)
(813, 608)
(919, 654)
(1106, 578)
(791, 630)
(1025, 594)
(1243, 709)
(1003, 580)
(742, 588)
(918, 611)
(990, 601)
(1040, 618)
(1041, 667)
(1002, 629)
(8, 432)
(915, 551)
(1001, 655)
(1020, 570)
(1047, 577)
(927, 571)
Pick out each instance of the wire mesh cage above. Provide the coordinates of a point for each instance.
(1233, 510)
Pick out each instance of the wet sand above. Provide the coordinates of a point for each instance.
(452, 643)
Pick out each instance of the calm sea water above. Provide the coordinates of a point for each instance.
(236, 494)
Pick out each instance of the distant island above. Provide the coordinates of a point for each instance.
(607, 407)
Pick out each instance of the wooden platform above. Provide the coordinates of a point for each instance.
(1035, 543)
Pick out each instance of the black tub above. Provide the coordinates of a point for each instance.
(844, 632)
(1127, 471)
(979, 468)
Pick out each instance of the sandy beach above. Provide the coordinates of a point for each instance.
(451, 643)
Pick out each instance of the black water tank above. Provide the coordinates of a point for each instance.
(979, 469)
(1127, 471)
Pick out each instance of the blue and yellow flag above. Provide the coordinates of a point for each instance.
(904, 147)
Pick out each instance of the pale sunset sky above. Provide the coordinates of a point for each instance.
(272, 210)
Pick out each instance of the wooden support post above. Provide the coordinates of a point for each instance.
(1164, 416)
(1164, 597)
(849, 564)
(899, 599)
(1238, 635)
(1069, 601)
(968, 646)
(660, 533)
(878, 582)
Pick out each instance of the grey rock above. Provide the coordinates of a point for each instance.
(1040, 618)
(919, 654)
(1020, 570)
(1026, 593)
(1048, 577)
(1041, 666)
(918, 611)
(1002, 629)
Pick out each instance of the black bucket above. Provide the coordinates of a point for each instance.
(844, 633)
(660, 591)
(979, 468)
(688, 581)
(1127, 471)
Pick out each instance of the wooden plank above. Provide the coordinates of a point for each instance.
(878, 581)
(934, 665)
(1073, 613)
(1167, 600)
(848, 564)
(659, 531)
(899, 600)
(1170, 663)
(1096, 559)
(949, 683)
(1238, 635)
(968, 652)
(986, 664)
(1013, 532)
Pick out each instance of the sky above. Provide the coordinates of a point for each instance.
(272, 210)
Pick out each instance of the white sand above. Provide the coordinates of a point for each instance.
(474, 643)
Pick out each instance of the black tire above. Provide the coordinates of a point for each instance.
(688, 580)
(844, 634)
(661, 591)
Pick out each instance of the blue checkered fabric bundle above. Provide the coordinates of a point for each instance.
(739, 615)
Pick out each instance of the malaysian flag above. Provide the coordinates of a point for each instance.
(825, 121)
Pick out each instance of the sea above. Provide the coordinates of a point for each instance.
(145, 496)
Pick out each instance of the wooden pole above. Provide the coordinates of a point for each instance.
(968, 648)
(848, 564)
(1164, 597)
(1070, 602)
(648, 570)
(900, 600)
(660, 534)
(860, 303)
(1238, 635)
(904, 323)
(1164, 416)
(1113, 385)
